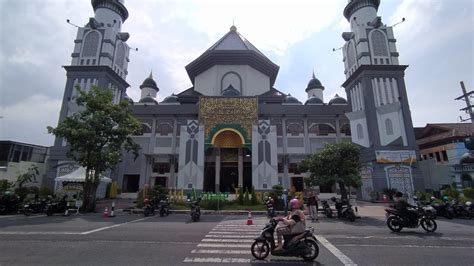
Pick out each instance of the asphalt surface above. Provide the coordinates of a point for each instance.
(131, 239)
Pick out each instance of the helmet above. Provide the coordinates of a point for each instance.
(432, 198)
(295, 203)
(445, 198)
(468, 203)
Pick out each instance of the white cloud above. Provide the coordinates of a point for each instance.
(26, 120)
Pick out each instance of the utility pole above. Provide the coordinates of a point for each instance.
(469, 107)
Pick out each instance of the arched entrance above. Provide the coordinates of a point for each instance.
(466, 181)
(224, 163)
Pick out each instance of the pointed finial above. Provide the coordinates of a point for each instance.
(314, 77)
(151, 74)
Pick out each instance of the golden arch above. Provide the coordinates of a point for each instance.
(228, 138)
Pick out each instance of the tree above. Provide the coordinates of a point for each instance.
(30, 175)
(97, 135)
(335, 163)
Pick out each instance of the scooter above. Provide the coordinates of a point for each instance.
(195, 209)
(149, 207)
(57, 207)
(302, 245)
(326, 209)
(164, 206)
(37, 206)
(270, 207)
(344, 209)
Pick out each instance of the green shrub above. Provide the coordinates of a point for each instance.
(423, 196)
(5, 185)
(43, 192)
(246, 197)
(240, 199)
(451, 192)
(468, 193)
(254, 200)
(213, 204)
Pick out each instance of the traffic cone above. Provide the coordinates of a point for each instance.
(249, 219)
(112, 210)
(106, 213)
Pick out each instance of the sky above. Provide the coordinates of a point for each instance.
(436, 41)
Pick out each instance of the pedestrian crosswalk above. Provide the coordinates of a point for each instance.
(229, 242)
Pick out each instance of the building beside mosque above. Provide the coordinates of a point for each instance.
(233, 128)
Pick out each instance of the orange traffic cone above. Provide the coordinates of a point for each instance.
(106, 213)
(249, 219)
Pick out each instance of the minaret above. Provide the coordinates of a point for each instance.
(148, 90)
(380, 118)
(315, 88)
(100, 58)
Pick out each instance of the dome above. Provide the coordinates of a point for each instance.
(467, 158)
(149, 83)
(290, 100)
(313, 100)
(314, 83)
(171, 99)
(338, 100)
(148, 99)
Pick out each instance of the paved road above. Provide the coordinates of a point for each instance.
(175, 240)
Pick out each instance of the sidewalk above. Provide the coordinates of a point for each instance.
(364, 208)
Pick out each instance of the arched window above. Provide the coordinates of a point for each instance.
(231, 79)
(345, 129)
(120, 55)
(91, 44)
(379, 44)
(388, 127)
(360, 133)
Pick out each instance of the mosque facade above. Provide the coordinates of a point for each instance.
(233, 128)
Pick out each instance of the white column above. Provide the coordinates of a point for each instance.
(241, 168)
(353, 100)
(376, 92)
(395, 89)
(388, 90)
(382, 92)
(218, 169)
(361, 98)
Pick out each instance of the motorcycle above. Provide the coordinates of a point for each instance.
(295, 245)
(465, 210)
(344, 209)
(395, 220)
(195, 209)
(326, 208)
(9, 203)
(149, 207)
(270, 207)
(164, 206)
(442, 209)
(36, 206)
(56, 207)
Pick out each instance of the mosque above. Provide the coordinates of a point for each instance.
(233, 128)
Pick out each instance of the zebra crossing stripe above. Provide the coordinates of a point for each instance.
(217, 260)
(229, 233)
(214, 245)
(220, 251)
(231, 236)
(237, 230)
(228, 240)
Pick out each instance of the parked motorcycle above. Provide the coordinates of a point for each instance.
(270, 207)
(396, 221)
(344, 209)
(56, 206)
(465, 210)
(443, 209)
(195, 209)
(149, 206)
(9, 203)
(37, 206)
(295, 245)
(326, 208)
(164, 205)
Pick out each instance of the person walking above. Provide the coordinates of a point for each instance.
(313, 206)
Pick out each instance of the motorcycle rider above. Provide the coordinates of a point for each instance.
(290, 222)
(402, 205)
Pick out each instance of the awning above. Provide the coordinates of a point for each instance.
(79, 175)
